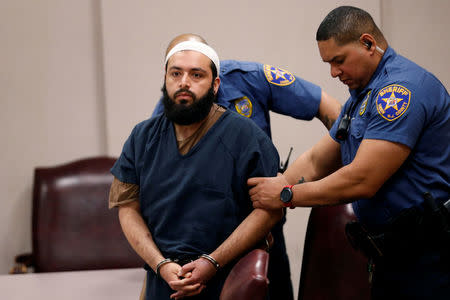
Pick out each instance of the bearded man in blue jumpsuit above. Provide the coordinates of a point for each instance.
(180, 182)
(253, 90)
(388, 153)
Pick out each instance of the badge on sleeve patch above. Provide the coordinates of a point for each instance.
(362, 109)
(393, 101)
(278, 76)
(244, 106)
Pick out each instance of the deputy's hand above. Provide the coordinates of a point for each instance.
(265, 191)
(196, 274)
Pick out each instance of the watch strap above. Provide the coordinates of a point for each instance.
(289, 204)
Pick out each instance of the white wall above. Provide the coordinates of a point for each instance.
(76, 76)
(419, 30)
(51, 106)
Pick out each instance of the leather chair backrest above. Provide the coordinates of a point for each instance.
(248, 278)
(73, 229)
(331, 268)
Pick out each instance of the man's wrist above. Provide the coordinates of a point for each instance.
(211, 260)
(162, 263)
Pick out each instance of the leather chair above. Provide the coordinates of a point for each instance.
(331, 268)
(72, 227)
(248, 278)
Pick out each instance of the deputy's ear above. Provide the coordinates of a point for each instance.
(367, 40)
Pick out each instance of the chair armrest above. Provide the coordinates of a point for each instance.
(248, 278)
(23, 263)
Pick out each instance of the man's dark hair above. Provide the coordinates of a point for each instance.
(214, 70)
(346, 24)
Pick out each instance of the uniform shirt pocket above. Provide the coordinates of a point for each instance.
(358, 127)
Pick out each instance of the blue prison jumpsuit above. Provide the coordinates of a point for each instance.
(253, 89)
(191, 203)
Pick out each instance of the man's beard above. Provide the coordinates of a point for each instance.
(184, 114)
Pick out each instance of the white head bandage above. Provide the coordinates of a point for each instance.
(196, 46)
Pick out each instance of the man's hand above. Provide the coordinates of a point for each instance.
(195, 274)
(265, 192)
(169, 272)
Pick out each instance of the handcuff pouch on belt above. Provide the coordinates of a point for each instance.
(401, 238)
(360, 239)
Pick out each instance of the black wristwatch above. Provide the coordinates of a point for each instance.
(286, 196)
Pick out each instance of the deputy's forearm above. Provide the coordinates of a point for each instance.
(138, 235)
(360, 179)
(252, 230)
(301, 167)
(316, 163)
(337, 188)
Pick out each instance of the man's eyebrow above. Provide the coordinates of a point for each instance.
(333, 59)
(198, 69)
(174, 67)
(193, 69)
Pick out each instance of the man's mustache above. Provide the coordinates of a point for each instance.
(184, 91)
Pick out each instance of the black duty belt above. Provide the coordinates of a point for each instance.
(408, 235)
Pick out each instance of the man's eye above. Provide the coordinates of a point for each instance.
(175, 74)
(197, 75)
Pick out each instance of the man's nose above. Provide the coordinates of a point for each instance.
(185, 82)
(335, 71)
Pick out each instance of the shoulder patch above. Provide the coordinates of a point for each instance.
(278, 76)
(244, 106)
(393, 101)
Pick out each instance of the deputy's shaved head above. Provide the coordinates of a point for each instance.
(184, 37)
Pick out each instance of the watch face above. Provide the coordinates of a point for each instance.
(286, 195)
